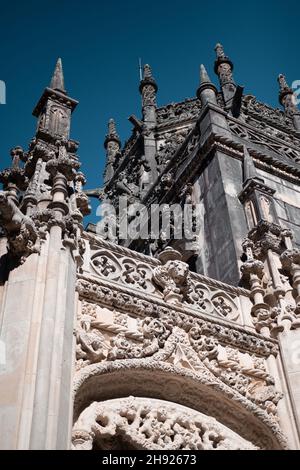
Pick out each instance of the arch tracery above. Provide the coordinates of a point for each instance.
(147, 423)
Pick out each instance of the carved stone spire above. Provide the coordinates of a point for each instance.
(112, 145)
(112, 134)
(207, 90)
(148, 89)
(249, 170)
(204, 78)
(223, 66)
(232, 93)
(288, 100)
(57, 81)
(54, 108)
(256, 195)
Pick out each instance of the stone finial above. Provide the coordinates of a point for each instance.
(220, 51)
(112, 135)
(112, 131)
(206, 90)
(232, 93)
(283, 85)
(148, 79)
(288, 100)
(147, 71)
(169, 254)
(57, 81)
(223, 65)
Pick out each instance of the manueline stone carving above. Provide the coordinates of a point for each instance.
(143, 423)
(20, 230)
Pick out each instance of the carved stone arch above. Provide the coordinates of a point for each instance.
(138, 423)
(197, 391)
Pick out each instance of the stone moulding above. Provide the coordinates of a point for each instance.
(124, 299)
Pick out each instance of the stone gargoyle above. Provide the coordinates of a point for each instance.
(20, 230)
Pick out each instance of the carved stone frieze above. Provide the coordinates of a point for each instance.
(100, 337)
(184, 111)
(264, 112)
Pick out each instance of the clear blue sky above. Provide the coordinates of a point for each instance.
(100, 42)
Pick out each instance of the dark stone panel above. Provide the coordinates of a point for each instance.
(224, 219)
(293, 214)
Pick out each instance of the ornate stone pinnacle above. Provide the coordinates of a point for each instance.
(57, 81)
(112, 134)
(112, 128)
(147, 71)
(148, 79)
(223, 65)
(283, 83)
(220, 51)
(204, 78)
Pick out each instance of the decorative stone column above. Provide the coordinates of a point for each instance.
(148, 89)
(112, 145)
(253, 271)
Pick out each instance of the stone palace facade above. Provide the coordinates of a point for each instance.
(158, 342)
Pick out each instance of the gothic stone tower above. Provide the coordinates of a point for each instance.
(107, 339)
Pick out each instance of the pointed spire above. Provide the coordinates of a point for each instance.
(283, 83)
(112, 131)
(253, 184)
(112, 135)
(232, 93)
(249, 170)
(148, 79)
(206, 91)
(147, 71)
(220, 51)
(204, 78)
(57, 81)
(222, 58)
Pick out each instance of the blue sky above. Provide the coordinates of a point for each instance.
(100, 43)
